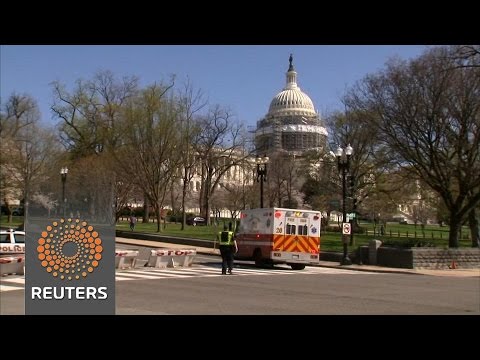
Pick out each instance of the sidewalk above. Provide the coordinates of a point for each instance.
(326, 264)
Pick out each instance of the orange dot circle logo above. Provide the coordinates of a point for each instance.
(69, 249)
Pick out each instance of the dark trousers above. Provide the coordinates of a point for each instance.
(227, 257)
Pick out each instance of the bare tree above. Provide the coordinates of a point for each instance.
(18, 112)
(382, 204)
(47, 201)
(473, 222)
(35, 149)
(427, 112)
(233, 199)
(284, 180)
(219, 146)
(124, 191)
(275, 189)
(465, 55)
(293, 181)
(26, 149)
(244, 193)
(151, 137)
(90, 113)
(86, 189)
(218, 202)
(191, 102)
(323, 183)
(320, 188)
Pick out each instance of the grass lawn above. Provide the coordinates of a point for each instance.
(172, 229)
(330, 241)
(16, 221)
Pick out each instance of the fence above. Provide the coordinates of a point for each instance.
(415, 234)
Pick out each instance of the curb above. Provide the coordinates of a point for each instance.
(379, 270)
(204, 251)
(205, 247)
(347, 267)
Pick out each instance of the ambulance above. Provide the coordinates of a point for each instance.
(278, 235)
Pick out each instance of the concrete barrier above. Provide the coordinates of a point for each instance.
(125, 258)
(162, 258)
(12, 265)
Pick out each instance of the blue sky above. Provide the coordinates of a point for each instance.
(244, 78)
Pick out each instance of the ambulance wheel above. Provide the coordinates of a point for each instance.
(257, 257)
(297, 266)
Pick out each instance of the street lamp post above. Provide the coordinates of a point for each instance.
(344, 167)
(63, 174)
(261, 173)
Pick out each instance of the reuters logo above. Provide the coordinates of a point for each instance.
(69, 249)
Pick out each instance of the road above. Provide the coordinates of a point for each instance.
(317, 291)
(202, 290)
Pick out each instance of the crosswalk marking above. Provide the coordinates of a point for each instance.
(9, 287)
(145, 274)
(17, 282)
(136, 276)
(156, 273)
(268, 271)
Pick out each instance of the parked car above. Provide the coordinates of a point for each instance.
(18, 211)
(197, 220)
(12, 242)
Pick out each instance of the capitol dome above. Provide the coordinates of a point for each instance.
(291, 100)
(291, 125)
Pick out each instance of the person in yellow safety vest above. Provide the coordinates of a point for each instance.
(228, 246)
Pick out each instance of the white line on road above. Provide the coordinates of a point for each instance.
(17, 282)
(10, 288)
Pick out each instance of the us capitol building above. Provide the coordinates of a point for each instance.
(291, 125)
